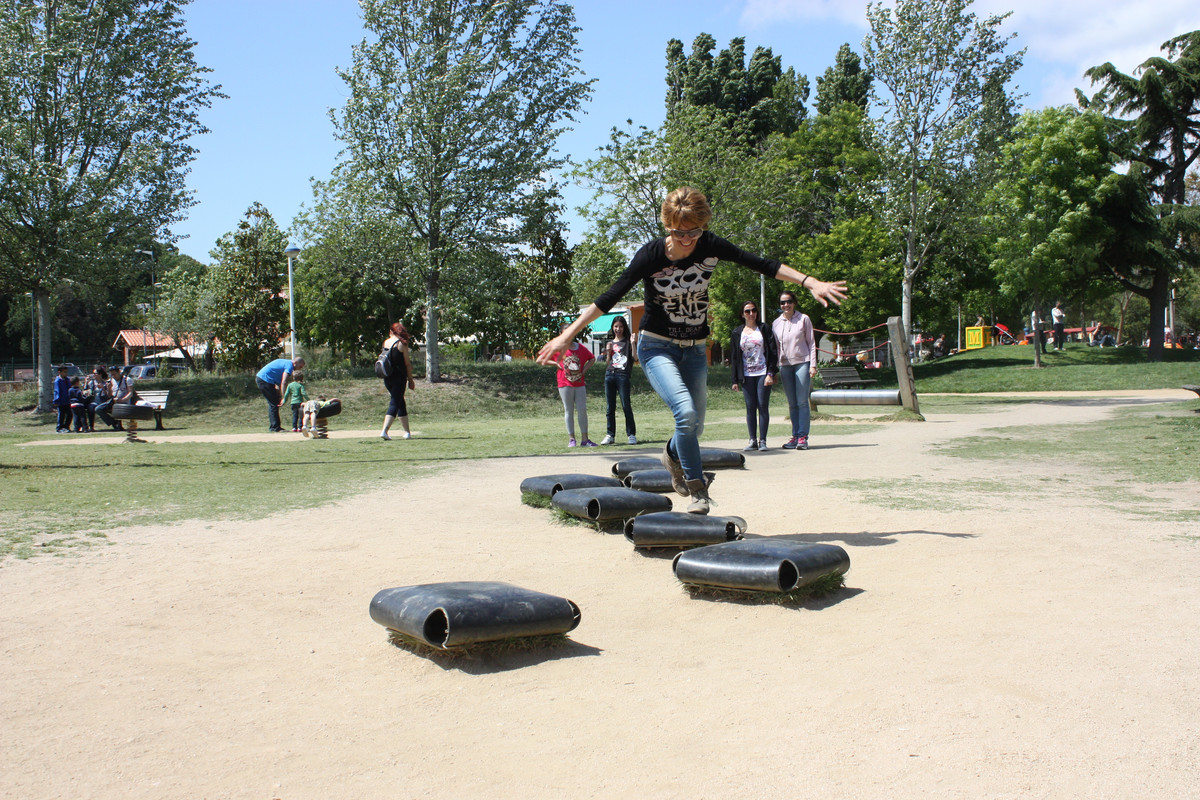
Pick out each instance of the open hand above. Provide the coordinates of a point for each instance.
(826, 292)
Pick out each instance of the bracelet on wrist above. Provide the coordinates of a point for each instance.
(804, 281)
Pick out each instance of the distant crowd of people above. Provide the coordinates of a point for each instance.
(79, 402)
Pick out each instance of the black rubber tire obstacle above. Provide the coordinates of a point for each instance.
(550, 485)
(601, 503)
(446, 615)
(677, 529)
(657, 480)
(331, 409)
(132, 411)
(710, 458)
(760, 565)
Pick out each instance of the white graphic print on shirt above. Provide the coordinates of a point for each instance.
(684, 292)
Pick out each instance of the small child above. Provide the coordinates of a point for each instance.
(79, 405)
(297, 396)
(308, 425)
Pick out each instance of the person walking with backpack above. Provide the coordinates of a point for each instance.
(395, 367)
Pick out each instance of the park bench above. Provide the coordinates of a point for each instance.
(158, 399)
(842, 378)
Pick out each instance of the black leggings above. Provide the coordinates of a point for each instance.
(396, 387)
(757, 395)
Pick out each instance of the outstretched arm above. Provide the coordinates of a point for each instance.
(824, 292)
(559, 344)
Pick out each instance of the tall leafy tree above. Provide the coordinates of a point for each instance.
(99, 100)
(1165, 137)
(930, 63)
(760, 97)
(628, 182)
(595, 263)
(354, 277)
(844, 82)
(454, 110)
(185, 307)
(249, 282)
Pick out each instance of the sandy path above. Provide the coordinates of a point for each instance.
(1040, 649)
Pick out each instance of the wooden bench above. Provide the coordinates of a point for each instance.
(158, 399)
(842, 377)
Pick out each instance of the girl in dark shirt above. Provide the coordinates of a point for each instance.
(675, 273)
(619, 355)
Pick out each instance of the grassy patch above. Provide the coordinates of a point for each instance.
(822, 587)
(499, 647)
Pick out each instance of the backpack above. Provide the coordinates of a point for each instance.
(383, 365)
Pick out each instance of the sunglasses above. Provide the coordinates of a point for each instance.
(783, 301)
(749, 310)
(692, 234)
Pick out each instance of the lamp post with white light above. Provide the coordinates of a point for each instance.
(291, 253)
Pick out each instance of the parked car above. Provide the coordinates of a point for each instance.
(143, 371)
(72, 370)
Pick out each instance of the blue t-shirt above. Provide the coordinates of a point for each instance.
(274, 372)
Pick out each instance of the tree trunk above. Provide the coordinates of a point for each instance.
(1160, 291)
(433, 367)
(44, 373)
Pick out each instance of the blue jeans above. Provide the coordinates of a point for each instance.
(797, 384)
(617, 383)
(679, 375)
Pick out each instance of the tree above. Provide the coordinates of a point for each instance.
(454, 110)
(844, 82)
(628, 184)
(930, 63)
(1165, 137)
(98, 102)
(760, 98)
(1050, 214)
(353, 278)
(249, 278)
(595, 263)
(184, 311)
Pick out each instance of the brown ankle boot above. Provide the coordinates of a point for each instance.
(700, 499)
(678, 481)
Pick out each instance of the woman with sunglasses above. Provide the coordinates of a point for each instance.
(672, 341)
(754, 359)
(797, 365)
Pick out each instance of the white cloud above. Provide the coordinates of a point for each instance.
(758, 13)
(1064, 37)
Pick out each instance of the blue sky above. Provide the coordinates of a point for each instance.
(276, 60)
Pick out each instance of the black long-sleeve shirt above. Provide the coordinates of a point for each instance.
(677, 291)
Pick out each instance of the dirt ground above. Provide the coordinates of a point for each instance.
(1041, 646)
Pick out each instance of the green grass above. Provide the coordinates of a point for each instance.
(1078, 368)
(60, 499)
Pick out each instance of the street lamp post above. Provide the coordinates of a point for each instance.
(291, 253)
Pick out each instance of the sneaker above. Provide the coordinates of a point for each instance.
(571, 442)
(632, 439)
(791, 443)
(295, 430)
(752, 445)
(802, 443)
(588, 443)
(762, 446)
(406, 435)
(608, 439)
(383, 436)
(307, 434)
